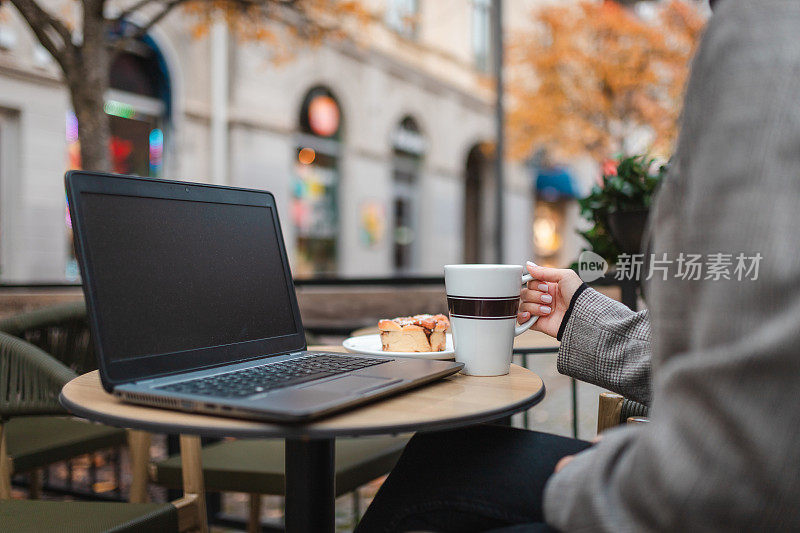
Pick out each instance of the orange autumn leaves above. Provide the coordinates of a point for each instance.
(281, 25)
(590, 73)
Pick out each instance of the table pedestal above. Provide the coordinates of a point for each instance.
(310, 490)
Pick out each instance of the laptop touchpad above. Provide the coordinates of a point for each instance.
(354, 384)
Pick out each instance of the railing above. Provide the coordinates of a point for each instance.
(629, 292)
(629, 288)
(299, 282)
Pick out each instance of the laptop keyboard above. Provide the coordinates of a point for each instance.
(259, 379)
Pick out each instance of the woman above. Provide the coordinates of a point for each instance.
(720, 452)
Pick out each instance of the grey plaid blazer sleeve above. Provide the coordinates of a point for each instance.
(721, 450)
(607, 344)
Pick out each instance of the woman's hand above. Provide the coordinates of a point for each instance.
(547, 296)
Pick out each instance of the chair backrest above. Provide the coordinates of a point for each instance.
(613, 410)
(30, 380)
(60, 330)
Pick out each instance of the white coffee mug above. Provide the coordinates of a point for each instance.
(483, 301)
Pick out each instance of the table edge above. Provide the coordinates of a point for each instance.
(301, 431)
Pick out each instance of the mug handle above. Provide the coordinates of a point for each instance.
(519, 329)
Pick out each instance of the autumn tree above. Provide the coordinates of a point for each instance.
(84, 48)
(590, 73)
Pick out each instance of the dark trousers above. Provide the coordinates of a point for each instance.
(479, 478)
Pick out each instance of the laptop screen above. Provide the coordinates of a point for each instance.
(171, 275)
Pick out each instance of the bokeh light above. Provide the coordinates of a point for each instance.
(156, 151)
(306, 156)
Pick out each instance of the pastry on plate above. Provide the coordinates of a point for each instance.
(419, 333)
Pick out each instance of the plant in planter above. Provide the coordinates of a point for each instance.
(618, 209)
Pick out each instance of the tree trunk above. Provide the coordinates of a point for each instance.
(87, 85)
(94, 132)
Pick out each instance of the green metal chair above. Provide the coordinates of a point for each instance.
(33, 442)
(256, 466)
(38, 516)
(61, 330)
(30, 381)
(252, 466)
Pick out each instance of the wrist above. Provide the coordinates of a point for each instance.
(582, 287)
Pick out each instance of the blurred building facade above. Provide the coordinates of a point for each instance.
(378, 152)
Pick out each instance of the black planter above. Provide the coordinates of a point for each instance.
(627, 229)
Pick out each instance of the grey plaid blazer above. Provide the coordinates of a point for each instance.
(718, 359)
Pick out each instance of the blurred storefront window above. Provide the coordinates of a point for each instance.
(314, 209)
(556, 191)
(138, 108)
(547, 231)
(140, 86)
(409, 147)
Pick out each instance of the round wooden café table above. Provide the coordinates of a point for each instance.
(452, 402)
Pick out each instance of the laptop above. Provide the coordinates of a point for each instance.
(192, 306)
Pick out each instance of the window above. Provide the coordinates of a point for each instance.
(482, 34)
(9, 186)
(402, 16)
(314, 207)
(138, 107)
(409, 147)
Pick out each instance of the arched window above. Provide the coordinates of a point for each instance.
(409, 147)
(478, 204)
(138, 107)
(314, 196)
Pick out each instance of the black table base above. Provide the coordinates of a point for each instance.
(310, 490)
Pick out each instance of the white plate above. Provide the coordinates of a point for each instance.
(371, 345)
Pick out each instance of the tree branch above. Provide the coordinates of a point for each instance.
(289, 13)
(40, 21)
(140, 31)
(132, 9)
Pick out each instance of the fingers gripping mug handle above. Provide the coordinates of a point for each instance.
(519, 329)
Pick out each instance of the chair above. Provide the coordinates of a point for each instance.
(256, 466)
(30, 381)
(33, 442)
(88, 517)
(252, 466)
(614, 409)
(61, 330)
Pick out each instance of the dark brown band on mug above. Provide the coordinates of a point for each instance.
(483, 308)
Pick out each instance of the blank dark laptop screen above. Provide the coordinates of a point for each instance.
(174, 275)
